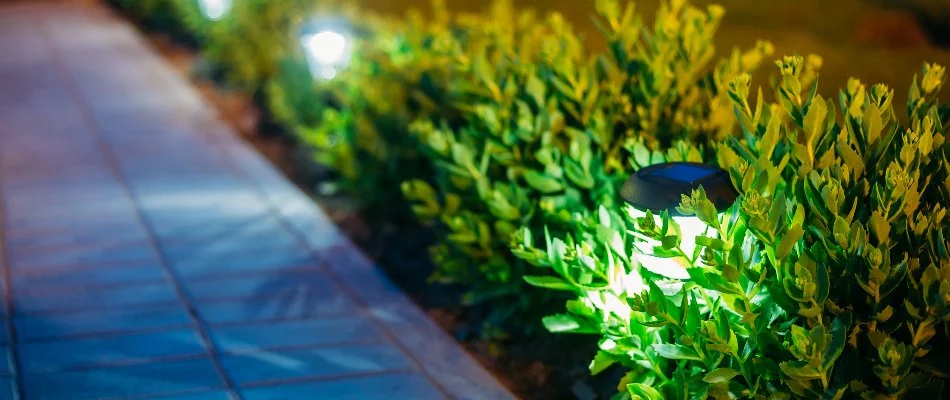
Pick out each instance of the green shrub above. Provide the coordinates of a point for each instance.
(357, 123)
(548, 130)
(250, 41)
(158, 15)
(191, 19)
(827, 278)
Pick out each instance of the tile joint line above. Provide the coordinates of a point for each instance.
(95, 130)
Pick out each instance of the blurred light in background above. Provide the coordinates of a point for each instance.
(214, 9)
(327, 51)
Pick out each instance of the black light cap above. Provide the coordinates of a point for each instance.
(660, 187)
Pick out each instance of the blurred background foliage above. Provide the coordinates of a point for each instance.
(872, 40)
(386, 87)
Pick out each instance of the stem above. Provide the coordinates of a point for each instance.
(679, 249)
(747, 376)
(658, 370)
(709, 301)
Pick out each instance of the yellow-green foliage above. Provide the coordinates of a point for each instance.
(357, 122)
(827, 279)
(250, 41)
(189, 12)
(548, 129)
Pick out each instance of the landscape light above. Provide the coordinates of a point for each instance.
(659, 188)
(327, 50)
(214, 9)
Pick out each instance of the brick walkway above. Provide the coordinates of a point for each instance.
(149, 253)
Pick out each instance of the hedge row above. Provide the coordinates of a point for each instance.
(828, 278)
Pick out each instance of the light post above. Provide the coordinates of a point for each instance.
(327, 47)
(659, 188)
(214, 9)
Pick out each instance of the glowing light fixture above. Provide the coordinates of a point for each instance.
(327, 48)
(214, 9)
(659, 188)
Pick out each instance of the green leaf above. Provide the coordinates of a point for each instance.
(720, 375)
(678, 388)
(839, 335)
(536, 89)
(563, 88)
(841, 230)
(822, 282)
(730, 273)
(675, 352)
(655, 323)
(641, 155)
(692, 319)
(778, 212)
(564, 323)
(462, 155)
(873, 124)
(577, 174)
(799, 371)
(770, 138)
(785, 245)
(601, 361)
(712, 243)
(548, 282)
(603, 215)
(880, 227)
(542, 182)
(670, 242)
(766, 367)
(850, 157)
(706, 212)
(639, 391)
(814, 124)
(717, 283)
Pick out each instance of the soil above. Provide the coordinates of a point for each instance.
(545, 366)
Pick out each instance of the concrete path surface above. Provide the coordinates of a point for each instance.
(147, 252)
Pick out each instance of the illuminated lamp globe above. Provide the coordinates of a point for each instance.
(327, 48)
(214, 9)
(660, 188)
